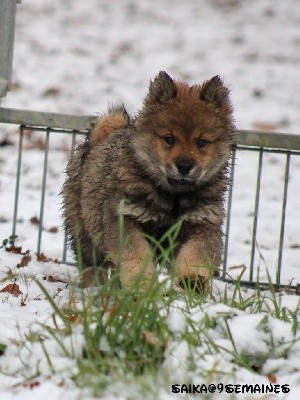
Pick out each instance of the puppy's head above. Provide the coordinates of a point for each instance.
(184, 133)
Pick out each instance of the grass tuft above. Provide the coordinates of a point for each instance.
(137, 338)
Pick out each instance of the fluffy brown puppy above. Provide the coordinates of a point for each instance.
(168, 163)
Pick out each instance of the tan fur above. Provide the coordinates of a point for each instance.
(106, 124)
(197, 257)
(167, 164)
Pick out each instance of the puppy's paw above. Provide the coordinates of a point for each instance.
(135, 276)
(199, 284)
(191, 272)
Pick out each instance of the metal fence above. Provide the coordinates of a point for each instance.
(286, 146)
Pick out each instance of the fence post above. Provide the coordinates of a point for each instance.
(7, 33)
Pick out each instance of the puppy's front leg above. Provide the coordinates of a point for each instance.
(136, 261)
(198, 257)
(132, 254)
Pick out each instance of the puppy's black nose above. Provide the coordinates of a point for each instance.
(184, 166)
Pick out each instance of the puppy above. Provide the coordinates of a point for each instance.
(167, 164)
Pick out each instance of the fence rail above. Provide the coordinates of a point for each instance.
(44, 119)
(82, 123)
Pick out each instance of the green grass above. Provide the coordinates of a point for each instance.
(2, 348)
(127, 334)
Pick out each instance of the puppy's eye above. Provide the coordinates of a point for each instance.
(201, 143)
(169, 140)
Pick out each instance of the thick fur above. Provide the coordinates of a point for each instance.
(115, 119)
(169, 162)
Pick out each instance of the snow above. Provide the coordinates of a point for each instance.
(257, 336)
(78, 57)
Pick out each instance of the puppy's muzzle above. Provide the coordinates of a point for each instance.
(184, 167)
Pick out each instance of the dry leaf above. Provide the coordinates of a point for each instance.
(41, 257)
(14, 249)
(272, 378)
(13, 289)
(32, 385)
(295, 246)
(51, 92)
(6, 142)
(52, 278)
(53, 229)
(151, 338)
(25, 260)
(76, 318)
(35, 220)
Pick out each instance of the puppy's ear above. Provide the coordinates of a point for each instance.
(214, 92)
(161, 89)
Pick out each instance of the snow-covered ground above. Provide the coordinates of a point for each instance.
(79, 56)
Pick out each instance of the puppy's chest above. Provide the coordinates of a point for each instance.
(158, 209)
(166, 208)
(180, 206)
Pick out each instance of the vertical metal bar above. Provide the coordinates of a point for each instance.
(228, 217)
(254, 230)
(43, 192)
(17, 191)
(64, 258)
(73, 144)
(282, 226)
(7, 33)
